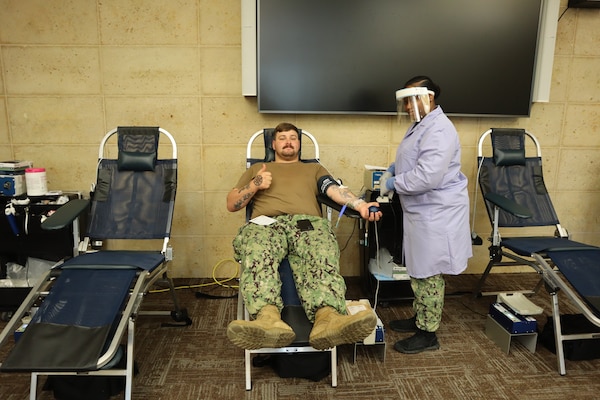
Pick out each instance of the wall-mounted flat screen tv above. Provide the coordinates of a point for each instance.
(350, 56)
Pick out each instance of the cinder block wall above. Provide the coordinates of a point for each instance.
(71, 70)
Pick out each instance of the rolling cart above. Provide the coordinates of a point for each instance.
(23, 238)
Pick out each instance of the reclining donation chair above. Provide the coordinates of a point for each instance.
(88, 302)
(512, 185)
(516, 197)
(293, 313)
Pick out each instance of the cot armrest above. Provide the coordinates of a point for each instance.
(508, 205)
(65, 215)
(324, 200)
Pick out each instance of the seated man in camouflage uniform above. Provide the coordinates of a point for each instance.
(286, 190)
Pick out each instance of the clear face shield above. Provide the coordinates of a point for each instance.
(413, 101)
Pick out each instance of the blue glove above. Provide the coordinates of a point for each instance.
(392, 169)
(386, 183)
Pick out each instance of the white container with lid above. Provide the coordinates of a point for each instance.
(35, 181)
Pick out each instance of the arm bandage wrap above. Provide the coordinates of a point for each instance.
(325, 182)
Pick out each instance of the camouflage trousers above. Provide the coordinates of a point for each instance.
(428, 302)
(313, 256)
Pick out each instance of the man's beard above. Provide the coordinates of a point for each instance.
(289, 152)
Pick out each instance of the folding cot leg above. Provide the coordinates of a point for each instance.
(248, 364)
(178, 314)
(560, 352)
(242, 313)
(33, 386)
(172, 291)
(477, 291)
(334, 367)
(129, 370)
(539, 284)
(240, 307)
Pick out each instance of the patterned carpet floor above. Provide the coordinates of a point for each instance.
(198, 362)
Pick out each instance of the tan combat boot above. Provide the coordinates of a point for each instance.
(332, 329)
(267, 330)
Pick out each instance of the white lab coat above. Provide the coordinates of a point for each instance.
(434, 197)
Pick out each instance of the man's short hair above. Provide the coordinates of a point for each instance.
(284, 127)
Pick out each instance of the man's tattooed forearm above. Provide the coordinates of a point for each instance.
(244, 188)
(346, 194)
(241, 202)
(349, 198)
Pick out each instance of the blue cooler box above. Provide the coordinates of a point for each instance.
(511, 321)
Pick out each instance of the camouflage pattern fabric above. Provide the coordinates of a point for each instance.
(429, 301)
(313, 256)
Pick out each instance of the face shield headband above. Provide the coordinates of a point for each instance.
(413, 101)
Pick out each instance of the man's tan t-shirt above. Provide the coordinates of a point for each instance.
(293, 190)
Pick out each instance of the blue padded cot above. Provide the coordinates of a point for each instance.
(89, 303)
(576, 273)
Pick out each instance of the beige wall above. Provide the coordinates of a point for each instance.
(72, 69)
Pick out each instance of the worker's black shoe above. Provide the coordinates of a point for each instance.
(420, 341)
(404, 325)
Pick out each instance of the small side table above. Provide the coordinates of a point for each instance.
(503, 338)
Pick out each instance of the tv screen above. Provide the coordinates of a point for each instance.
(350, 56)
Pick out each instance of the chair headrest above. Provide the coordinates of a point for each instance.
(508, 146)
(138, 148)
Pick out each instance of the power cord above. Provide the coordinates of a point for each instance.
(349, 237)
(216, 281)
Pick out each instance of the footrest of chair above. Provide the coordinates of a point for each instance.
(78, 348)
(296, 318)
(73, 323)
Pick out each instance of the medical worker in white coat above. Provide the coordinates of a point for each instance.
(435, 203)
